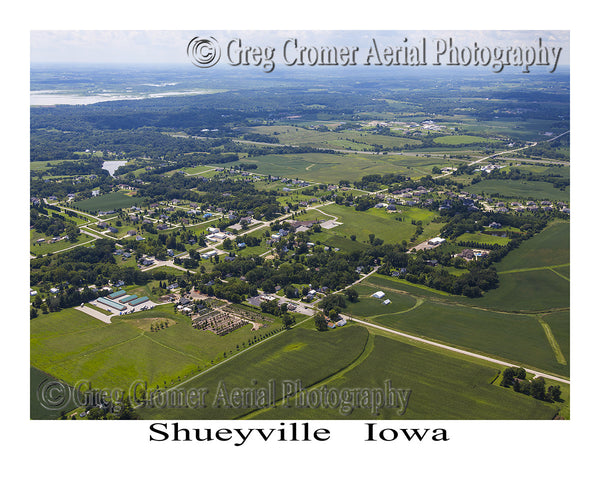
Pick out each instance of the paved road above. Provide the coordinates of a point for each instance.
(94, 313)
(507, 151)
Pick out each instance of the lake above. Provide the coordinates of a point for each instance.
(111, 166)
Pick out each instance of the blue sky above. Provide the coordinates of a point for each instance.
(163, 46)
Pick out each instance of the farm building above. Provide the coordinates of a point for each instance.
(378, 294)
(110, 303)
(387, 301)
(341, 323)
(128, 298)
(138, 301)
(116, 294)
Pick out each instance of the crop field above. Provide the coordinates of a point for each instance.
(331, 168)
(548, 248)
(519, 338)
(110, 201)
(442, 387)
(37, 382)
(71, 346)
(462, 140)
(560, 326)
(520, 189)
(299, 354)
(483, 324)
(349, 139)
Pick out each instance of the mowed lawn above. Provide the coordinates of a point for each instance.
(299, 354)
(442, 387)
(379, 222)
(73, 346)
(482, 238)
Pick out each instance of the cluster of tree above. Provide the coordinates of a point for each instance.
(69, 296)
(157, 326)
(426, 268)
(53, 225)
(130, 142)
(228, 194)
(515, 377)
(81, 266)
(458, 220)
(257, 137)
(272, 307)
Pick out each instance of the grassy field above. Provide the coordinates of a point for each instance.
(548, 248)
(71, 345)
(442, 387)
(384, 225)
(110, 201)
(43, 248)
(350, 139)
(331, 168)
(299, 354)
(462, 140)
(482, 238)
(520, 189)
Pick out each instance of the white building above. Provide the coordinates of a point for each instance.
(436, 241)
(378, 294)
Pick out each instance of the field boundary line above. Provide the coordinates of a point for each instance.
(560, 358)
(532, 269)
(232, 357)
(419, 301)
(171, 348)
(560, 275)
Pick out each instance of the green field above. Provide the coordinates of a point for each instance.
(520, 189)
(350, 139)
(44, 248)
(442, 387)
(462, 140)
(71, 346)
(40, 390)
(378, 221)
(299, 354)
(514, 337)
(110, 201)
(331, 168)
(548, 248)
(482, 238)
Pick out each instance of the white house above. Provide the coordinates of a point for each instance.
(378, 294)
